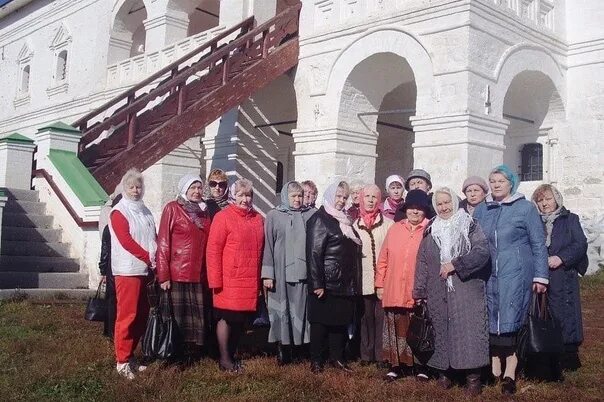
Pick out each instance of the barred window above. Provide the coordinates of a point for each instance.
(532, 162)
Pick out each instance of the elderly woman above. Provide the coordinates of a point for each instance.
(475, 189)
(395, 199)
(310, 193)
(181, 246)
(418, 179)
(217, 195)
(450, 276)
(353, 211)
(519, 263)
(567, 248)
(132, 254)
(372, 228)
(394, 278)
(333, 254)
(284, 271)
(234, 258)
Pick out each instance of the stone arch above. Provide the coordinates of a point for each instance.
(523, 58)
(385, 40)
(127, 35)
(202, 14)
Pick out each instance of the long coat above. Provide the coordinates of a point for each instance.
(287, 299)
(234, 257)
(569, 243)
(459, 317)
(372, 240)
(518, 258)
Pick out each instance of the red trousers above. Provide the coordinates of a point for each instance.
(132, 313)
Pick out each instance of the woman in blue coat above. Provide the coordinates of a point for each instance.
(518, 264)
(567, 248)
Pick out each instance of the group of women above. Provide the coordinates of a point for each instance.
(354, 268)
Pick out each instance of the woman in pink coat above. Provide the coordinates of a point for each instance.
(234, 259)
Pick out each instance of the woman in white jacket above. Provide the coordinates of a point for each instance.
(132, 254)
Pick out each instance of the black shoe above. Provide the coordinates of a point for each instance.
(473, 385)
(284, 354)
(392, 376)
(316, 367)
(508, 386)
(337, 364)
(444, 382)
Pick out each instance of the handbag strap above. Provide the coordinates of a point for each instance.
(98, 290)
(167, 302)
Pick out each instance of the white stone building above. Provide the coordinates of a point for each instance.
(451, 86)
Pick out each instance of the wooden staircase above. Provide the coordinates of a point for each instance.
(192, 92)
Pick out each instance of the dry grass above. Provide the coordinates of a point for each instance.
(48, 352)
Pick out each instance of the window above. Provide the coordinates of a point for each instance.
(24, 80)
(279, 178)
(532, 162)
(61, 73)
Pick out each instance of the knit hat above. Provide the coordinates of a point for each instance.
(475, 180)
(421, 173)
(394, 178)
(418, 199)
(509, 174)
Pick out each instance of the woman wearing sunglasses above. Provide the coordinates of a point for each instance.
(217, 194)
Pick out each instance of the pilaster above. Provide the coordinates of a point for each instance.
(165, 29)
(16, 156)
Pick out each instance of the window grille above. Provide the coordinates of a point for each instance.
(532, 162)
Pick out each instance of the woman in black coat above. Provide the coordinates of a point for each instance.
(567, 249)
(333, 255)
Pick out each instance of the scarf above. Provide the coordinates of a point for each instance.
(329, 200)
(193, 210)
(452, 235)
(221, 201)
(548, 219)
(393, 205)
(295, 238)
(369, 217)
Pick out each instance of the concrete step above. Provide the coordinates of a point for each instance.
(27, 207)
(31, 234)
(35, 248)
(23, 195)
(49, 295)
(13, 263)
(43, 280)
(26, 220)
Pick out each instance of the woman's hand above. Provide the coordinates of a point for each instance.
(165, 285)
(319, 292)
(379, 292)
(268, 283)
(554, 262)
(446, 269)
(539, 287)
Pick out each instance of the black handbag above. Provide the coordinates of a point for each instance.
(152, 337)
(96, 308)
(420, 334)
(541, 333)
(170, 343)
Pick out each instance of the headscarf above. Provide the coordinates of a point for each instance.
(221, 201)
(509, 174)
(369, 217)
(548, 219)
(231, 196)
(389, 203)
(295, 237)
(452, 235)
(195, 210)
(329, 200)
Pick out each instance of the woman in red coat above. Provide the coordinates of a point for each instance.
(181, 246)
(234, 259)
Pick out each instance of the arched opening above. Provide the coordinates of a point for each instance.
(24, 88)
(380, 96)
(61, 71)
(534, 108)
(204, 16)
(128, 31)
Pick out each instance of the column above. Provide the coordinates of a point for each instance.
(165, 29)
(454, 146)
(16, 155)
(57, 137)
(234, 11)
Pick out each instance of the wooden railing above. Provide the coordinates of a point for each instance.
(213, 56)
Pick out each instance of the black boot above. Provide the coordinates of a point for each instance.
(284, 354)
(473, 384)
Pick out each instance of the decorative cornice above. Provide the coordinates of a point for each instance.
(57, 89)
(25, 54)
(62, 37)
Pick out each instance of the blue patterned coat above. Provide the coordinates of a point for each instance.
(518, 258)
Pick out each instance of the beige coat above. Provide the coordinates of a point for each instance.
(370, 255)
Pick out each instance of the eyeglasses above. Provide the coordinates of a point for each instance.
(221, 184)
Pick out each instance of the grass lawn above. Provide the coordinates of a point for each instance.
(49, 353)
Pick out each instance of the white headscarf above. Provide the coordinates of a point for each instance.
(183, 186)
(329, 201)
(452, 235)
